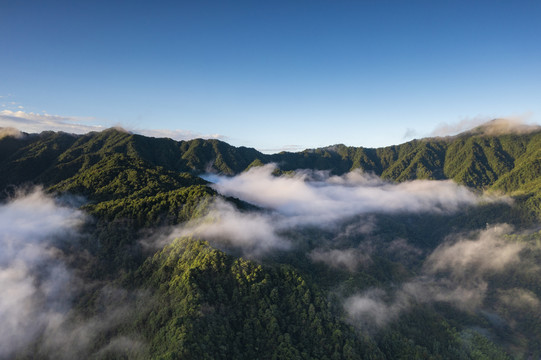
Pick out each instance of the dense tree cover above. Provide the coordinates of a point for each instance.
(213, 306)
(206, 303)
(164, 208)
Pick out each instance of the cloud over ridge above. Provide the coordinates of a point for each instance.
(316, 197)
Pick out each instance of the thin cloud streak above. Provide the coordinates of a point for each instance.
(224, 225)
(286, 148)
(177, 134)
(35, 123)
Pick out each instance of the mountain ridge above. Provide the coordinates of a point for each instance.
(477, 160)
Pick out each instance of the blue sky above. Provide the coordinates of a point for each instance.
(269, 74)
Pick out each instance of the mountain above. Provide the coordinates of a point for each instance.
(476, 160)
(144, 275)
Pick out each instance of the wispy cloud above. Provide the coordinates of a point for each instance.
(349, 259)
(254, 232)
(410, 133)
(71, 337)
(287, 148)
(467, 259)
(9, 131)
(35, 123)
(177, 134)
(456, 272)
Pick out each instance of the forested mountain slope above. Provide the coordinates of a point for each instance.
(148, 279)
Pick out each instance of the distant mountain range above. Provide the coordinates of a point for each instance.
(509, 163)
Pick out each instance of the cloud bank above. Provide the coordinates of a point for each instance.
(313, 199)
(316, 198)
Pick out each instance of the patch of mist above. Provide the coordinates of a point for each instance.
(456, 272)
(38, 288)
(224, 225)
(349, 259)
(10, 132)
(72, 336)
(485, 126)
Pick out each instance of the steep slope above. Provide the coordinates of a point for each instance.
(215, 306)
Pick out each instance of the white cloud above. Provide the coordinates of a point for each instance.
(287, 148)
(35, 284)
(317, 199)
(314, 199)
(520, 299)
(466, 259)
(370, 311)
(223, 224)
(37, 287)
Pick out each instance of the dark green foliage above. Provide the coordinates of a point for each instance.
(423, 334)
(214, 306)
(32, 158)
(165, 208)
(423, 162)
(118, 176)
